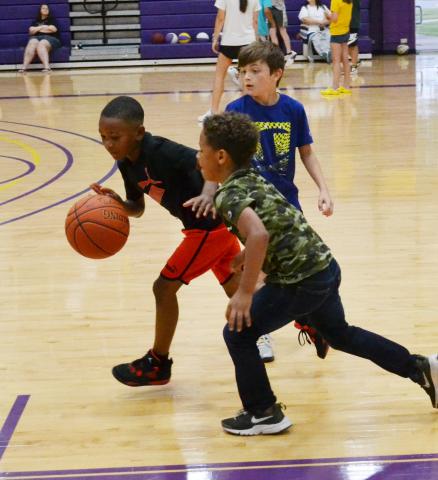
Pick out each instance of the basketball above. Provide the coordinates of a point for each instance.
(402, 49)
(158, 38)
(184, 37)
(171, 38)
(97, 226)
(202, 37)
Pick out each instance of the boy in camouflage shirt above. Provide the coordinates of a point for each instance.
(302, 279)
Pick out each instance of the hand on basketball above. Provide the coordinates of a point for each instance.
(202, 205)
(106, 191)
(325, 204)
(237, 313)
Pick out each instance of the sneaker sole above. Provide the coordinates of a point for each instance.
(268, 359)
(433, 379)
(139, 384)
(262, 429)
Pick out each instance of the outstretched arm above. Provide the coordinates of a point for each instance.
(203, 203)
(310, 160)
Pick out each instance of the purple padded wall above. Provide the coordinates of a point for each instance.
(390, 21)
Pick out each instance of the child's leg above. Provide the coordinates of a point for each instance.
(222, 65)
(286, 39)
(346, 65)
(273, 35)
(269, 311)
(336, 63)
(166, 315)
(329, 319)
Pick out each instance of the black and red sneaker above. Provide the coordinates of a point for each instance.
(310, 335)
(148, 370)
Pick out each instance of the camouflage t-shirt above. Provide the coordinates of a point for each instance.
(295, 250)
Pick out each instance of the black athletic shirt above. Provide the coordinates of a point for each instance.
(167, 172)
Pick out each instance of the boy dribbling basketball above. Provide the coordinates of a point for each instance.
(302, 280)
(167, 172)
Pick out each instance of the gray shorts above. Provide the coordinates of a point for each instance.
(54, 42)
(279, 18)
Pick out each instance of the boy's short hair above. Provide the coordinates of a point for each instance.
(265, 52)
(124, 108)
(235, 133)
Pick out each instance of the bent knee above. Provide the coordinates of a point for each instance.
(163, 288)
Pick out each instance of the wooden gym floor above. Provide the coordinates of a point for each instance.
(65, 320)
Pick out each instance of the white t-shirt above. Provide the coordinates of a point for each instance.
(238, 27)
(313, 12)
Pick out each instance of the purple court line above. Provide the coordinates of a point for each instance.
(171, 92)
(11, 422)
(69, 159)
(233, 471)
(30, 169)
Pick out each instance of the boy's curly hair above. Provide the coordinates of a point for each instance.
(235, 133)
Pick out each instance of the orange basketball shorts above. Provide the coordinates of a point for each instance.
(201, 251)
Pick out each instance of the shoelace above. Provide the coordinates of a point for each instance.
(264, 339)
(303, 338)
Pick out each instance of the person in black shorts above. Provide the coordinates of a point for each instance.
(44, 38)
(167, 172)
(235, 26)
(353, 47)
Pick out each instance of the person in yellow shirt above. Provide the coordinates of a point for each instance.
(339, 17)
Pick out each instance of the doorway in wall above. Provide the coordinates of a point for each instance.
(426, 20)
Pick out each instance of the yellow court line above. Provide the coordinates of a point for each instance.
(36, 158)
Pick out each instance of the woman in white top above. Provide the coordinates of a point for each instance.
(237, 20)
(313, 19)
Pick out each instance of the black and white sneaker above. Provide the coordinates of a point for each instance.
(271, 421)
(428, 367)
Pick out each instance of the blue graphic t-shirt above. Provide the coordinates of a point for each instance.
(283, 127)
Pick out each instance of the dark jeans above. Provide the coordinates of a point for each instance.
(314, 301)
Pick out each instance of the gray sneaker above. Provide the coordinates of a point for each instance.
(428, 366)
(269, 422)
(266, 350)
(233, 73)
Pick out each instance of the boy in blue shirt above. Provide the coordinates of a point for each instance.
(283, 126)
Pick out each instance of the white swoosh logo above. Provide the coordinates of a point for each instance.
(426, 383)
(255, 420)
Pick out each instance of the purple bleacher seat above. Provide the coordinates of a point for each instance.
(146, 35)
(157, 22)
(188, 50)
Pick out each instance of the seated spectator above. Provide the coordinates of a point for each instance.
(44, 38)
(313, 19)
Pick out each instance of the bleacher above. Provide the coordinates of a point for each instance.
(194, 16)
(15, 18)
(191, 16)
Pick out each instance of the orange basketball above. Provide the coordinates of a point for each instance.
(97, 226)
